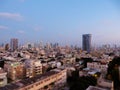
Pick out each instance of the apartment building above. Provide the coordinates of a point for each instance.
(3, 77)
(97, 65)
(37, 67)
(15, 70)
(39, 82)
(32, 68)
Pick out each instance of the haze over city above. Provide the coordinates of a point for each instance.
(59, 45)
(62, 21)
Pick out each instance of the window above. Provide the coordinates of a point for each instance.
(37, 84)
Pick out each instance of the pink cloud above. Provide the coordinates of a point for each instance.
(22, 0)
(21, 31)
(14, 16)
(37, 28)
(3, 27)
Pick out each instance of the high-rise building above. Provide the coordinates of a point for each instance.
(13, 44)
(86, 44)
(6, 46)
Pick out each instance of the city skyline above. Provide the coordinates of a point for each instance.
(60, 21)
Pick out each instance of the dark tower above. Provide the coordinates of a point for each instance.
(86, 42)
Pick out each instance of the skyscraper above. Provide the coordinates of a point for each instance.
(13, 44)
(86, 42)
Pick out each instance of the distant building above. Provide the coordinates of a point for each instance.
(6, 46)
(13, 44)
(29, 46)
(86, 41)
(2, 45)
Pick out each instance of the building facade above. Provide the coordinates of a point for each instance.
(105, 83)
(46, 81)
(86, 42)
(13, 44)
(3, 78)
(37, 67)
(32, 68)
(97, 65)
(15, 70)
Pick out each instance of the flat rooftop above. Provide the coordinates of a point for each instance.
(28, 81)
(96, 88)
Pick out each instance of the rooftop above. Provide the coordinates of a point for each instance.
(96, 88)
(28, 81)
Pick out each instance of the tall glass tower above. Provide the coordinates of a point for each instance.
(86, 42)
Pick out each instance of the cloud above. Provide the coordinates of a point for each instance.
(21, 32)
(37, 28)
(14, 16)
(22, 0)
(3, 27)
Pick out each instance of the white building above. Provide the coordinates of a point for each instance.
(37, 67)
(32, 67)
(97, 65)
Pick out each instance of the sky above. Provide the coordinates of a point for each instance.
(62, 21)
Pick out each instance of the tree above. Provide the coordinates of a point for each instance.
(80, 83)
(113, 71)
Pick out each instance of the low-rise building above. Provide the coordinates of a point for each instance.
(97, 65)
(105, 83)
(40, 82)
(3, 78)
(15, 70)
(96, 88)
(29, 68)
(37, 67)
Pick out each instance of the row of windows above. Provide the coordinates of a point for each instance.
(96, 66)
(28, 88)
(52, 77)
(39, 83)
(45, 80)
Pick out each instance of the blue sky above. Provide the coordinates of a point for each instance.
(62, 21)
